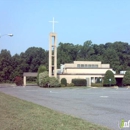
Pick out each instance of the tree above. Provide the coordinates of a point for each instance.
(117, 54)
(111, 55)
(126, 79)
(109, 78)
(34, 57)
(87, 50)
(43, 79)
(68, 50)
(41, 69)
(19, 66)
(5, 66)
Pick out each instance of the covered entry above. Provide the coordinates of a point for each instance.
(28, 74)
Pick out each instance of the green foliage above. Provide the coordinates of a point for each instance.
(43, 79)
(53, 82)
(62, 85)
(34, 57)
(46, 81)
(70, 84)
(5, 66)
(126, 79)
(63, 81)
(96, 85)
(79, 82)
(109, 79)
(41, 69)
(117, 54)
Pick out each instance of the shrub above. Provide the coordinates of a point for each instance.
(18, 81)
(109, 75)
(63, 81)
(41, 69)
(96, 85)
(126, 79)
(70, 84)
(62, 85)
(79, 82)
(43, 79)
(53, 82)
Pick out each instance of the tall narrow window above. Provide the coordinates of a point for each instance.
(89, 66)
(82, 65)
(78, 65)
(86, 66)
(93, 66)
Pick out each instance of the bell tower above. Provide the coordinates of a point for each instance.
(53, 52)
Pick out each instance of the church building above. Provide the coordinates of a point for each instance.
(89, 70)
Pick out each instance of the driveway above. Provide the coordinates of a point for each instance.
(104, 106)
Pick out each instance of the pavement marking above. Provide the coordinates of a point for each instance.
(53, 92)
(104, 96)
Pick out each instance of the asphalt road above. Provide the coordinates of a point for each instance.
(104, 106)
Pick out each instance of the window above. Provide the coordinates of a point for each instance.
(89, 66)
(95, 66)
(86, 66)
(82, 65)
(78, 65)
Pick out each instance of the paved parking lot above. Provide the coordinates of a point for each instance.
(104, 106)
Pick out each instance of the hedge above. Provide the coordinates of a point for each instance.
(79, 82)
(64, 81)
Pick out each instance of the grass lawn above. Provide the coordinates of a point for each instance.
(17, 114)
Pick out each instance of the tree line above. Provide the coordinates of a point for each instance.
(117, 54)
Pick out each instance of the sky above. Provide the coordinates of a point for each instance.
(100, 21)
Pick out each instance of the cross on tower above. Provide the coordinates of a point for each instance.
(53, 22)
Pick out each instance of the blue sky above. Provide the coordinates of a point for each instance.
(100, 21)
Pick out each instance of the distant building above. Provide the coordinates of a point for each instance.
(89, 70)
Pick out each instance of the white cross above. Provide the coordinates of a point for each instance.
(53, 22)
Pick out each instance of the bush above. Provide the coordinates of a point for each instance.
(79, 82)
(62, 85)
(46, 81)
(126, 79)
(63, 81)
(53, 82)
(18, 81)
(70, 84)
(109, 75)
(96, 85)
(43, 79)
(41, 69)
